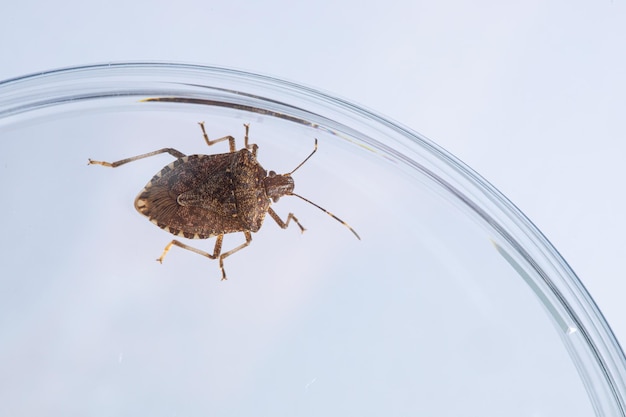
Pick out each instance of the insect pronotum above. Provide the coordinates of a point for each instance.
(203, 196)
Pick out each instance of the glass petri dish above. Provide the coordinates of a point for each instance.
(452, 303)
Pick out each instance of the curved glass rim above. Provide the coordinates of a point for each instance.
(571, 306)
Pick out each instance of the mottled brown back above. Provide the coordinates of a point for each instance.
(200, 196)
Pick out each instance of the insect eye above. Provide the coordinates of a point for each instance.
(272, 174)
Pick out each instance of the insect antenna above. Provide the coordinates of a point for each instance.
(312, 203)
(305, 159)
(324, 210)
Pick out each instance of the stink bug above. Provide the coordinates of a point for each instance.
(202, 196)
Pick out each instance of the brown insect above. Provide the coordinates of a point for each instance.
(202, 196)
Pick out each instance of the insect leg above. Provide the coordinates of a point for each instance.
(251, 147)
(230, 252)
(283, 224)
(231, 140)
(216, 251)
(171, 151)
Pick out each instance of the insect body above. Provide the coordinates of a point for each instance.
(203, 196)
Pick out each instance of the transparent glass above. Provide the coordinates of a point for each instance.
(452, 303)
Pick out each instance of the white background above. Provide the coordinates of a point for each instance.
(531, 94)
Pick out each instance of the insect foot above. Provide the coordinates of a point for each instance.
(204, 196)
